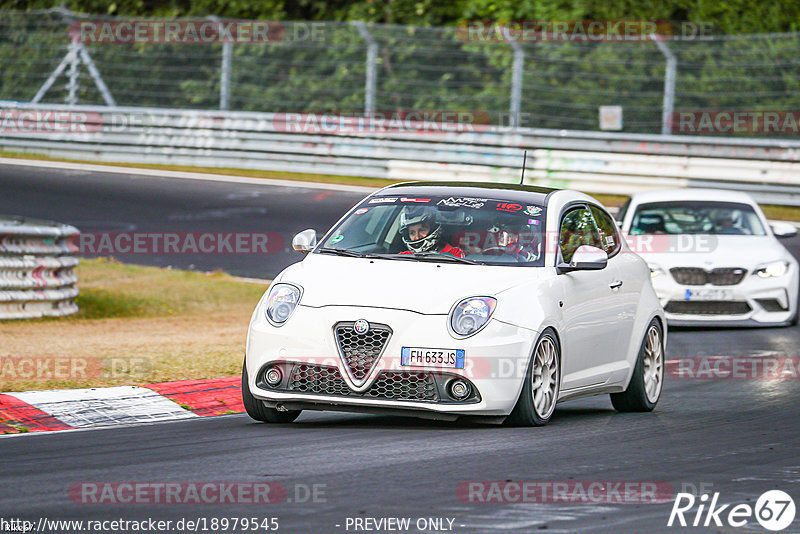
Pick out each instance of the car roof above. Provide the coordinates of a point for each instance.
(710, 195)
(512, 192)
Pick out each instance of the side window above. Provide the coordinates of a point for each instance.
(607, 230)
(577, 228)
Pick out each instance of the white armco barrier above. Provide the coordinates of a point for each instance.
(596, 162)
(36, 268)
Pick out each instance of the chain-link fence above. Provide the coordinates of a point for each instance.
(353, 67)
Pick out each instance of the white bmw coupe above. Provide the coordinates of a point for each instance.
(444, 300)
(714, 257)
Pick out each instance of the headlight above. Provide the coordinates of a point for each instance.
(471, 314)
(775, 269)
(655, 271)
(281, 302)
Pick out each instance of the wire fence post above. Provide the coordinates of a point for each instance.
(372, 62)
(669, 84)
(224, 71)
(225, 76)
(518, 68)
(72, 73)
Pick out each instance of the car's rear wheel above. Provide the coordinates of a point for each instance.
(539, 396)
(256, 409)
(645, 386)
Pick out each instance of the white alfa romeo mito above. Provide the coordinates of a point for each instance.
(714, 258)
(443, 300)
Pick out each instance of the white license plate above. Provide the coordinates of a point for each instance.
(708, 294)
(430, 357)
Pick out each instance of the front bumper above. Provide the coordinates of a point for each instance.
(496, 359)
(752, 302)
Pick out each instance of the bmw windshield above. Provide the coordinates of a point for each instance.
(454, 228)
(696, 217)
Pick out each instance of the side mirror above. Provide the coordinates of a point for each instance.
(305, 241)
(783, 229)
(586, 258)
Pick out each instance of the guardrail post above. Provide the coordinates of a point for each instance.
(372, 61)
(669, 84)
(516, 82)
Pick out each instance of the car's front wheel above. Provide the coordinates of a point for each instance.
(537, 402)
(256, 409)
(644, 389)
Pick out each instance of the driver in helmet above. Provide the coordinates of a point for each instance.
(509, 240)
(421, 232)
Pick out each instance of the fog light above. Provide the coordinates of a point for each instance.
(459, 389)
(273, 376)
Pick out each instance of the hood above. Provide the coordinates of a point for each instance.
(422, 286)
(712, 251)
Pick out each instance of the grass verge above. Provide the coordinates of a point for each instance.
(136, 325)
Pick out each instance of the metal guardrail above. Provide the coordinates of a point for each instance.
(36, 269)
(595, 162)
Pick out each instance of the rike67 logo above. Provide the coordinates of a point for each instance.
(774, 510)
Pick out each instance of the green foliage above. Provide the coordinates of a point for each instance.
(424, 62)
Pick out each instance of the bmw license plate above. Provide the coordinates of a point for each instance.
(708, 294)
(428, 357)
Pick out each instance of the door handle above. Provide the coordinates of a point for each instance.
(615, 284)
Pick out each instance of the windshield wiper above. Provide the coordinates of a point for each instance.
(344, 252)
(444, 256)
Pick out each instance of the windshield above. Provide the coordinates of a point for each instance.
(466, 229)
(696, 217)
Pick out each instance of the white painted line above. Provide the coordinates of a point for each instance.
(105, 406)
(86, 167)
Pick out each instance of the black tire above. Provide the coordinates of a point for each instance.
(256, 409)
(525, 412)
(635, 397)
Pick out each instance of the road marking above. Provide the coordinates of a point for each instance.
(86, 167)
(105, 406)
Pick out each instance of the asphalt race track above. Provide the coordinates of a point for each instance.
(738, 437)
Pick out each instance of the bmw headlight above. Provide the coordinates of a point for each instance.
(281, 302)
(471, 314)
(772, 270)
(655, 271)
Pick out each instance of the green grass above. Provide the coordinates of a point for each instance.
(160, 324)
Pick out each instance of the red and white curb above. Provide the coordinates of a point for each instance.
(41, 411)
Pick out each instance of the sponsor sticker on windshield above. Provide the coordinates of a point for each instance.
(509, 207)
(533, 211)
(463, 202)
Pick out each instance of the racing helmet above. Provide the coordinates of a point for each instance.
(412, 215)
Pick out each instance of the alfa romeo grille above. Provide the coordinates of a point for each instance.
(324, 380)
(695, 276)
(361, 351)
(707, 307)
(395, 385)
